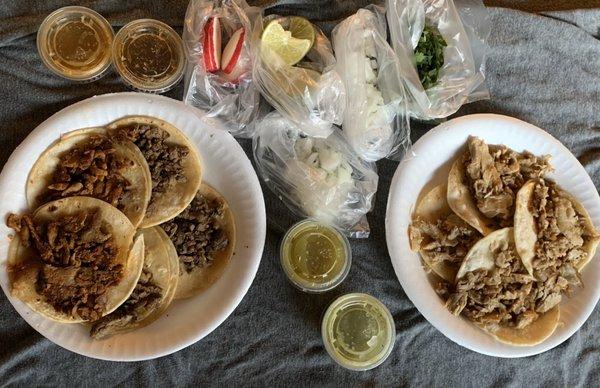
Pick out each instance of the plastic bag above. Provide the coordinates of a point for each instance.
(462, 76)
(227, 93)
(375, 121)
(320, 178)
(310, 94)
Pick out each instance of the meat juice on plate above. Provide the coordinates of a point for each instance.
(315, 257)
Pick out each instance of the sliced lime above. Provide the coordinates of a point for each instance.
(291, 50)
(302, 29)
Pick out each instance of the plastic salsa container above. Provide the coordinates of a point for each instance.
(148, 55)
(358, 331)
(75, 43)
(314, 256)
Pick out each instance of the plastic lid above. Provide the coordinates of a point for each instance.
(148, 55)
(333, 273)
(358, 331)
(75, 43)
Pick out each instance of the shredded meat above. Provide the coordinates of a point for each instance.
(91, 169)
(196, 232)
(77, 265)
(146, 297)
(494, 175)
(165, 160)
(448, 239)
(505, 296)
(559, 248)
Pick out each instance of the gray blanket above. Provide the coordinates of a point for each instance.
(544, 69)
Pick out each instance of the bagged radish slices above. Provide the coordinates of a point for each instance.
(294, 68)
(218, 77)
(375, 120)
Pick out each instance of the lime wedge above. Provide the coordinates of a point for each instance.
(302, 29)
(290, 49)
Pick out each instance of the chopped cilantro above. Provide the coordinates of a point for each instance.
(429, 55)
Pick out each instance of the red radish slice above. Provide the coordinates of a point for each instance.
(212, 45)
(232, 51)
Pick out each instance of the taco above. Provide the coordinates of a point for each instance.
(174, 164)
(440, 236)
(153, 293)
(74, 259)
(87, 163)
(484, 181)
(494, 290)
(557, 236)
(204, 238)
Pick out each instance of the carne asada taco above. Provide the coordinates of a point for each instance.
(494, 290)
(484, 181)
(153, 293)
(204, 238)
(556, 233)
(173, 160)
(74, 259)
(441, 237)
(87, 163)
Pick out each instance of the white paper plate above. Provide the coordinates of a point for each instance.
(433, 154)
(225, 167)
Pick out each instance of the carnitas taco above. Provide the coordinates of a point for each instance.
(204, 238)
(153, 293)
(74, 259)
(556, 235)
(87, 163)
(494, 290)
(174, 164)
(440, 236)
(484, 181)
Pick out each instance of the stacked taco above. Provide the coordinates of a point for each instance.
(120, 224)
(505, 242)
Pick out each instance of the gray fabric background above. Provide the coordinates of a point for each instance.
(544, 69)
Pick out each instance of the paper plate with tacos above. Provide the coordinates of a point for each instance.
(132, 228)
(492, 228)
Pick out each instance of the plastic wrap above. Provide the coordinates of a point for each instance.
(233, 97)
(320, 178)
(310, 94)
(465, 30)
(375, 123)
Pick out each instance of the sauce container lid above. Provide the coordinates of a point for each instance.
(336, 271)
(358, 331)
(148, 55)
(75, 43)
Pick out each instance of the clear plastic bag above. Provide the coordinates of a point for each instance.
(320, 178)
(228, 93)
(376, 123)
(310, 94)
(465, 29)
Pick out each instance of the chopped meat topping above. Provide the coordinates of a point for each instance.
(561, 235)
(77, 257)
(505, 296)
(196, 232)
(90, 169)
(448, 239)
(494, 175)
(165, 160)
(146, 297)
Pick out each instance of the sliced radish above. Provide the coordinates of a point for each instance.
(212, 45)
(233, 51)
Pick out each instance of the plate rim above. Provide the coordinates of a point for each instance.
(395, 249)
(255, 255)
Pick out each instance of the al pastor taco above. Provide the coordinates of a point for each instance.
(74, 259)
